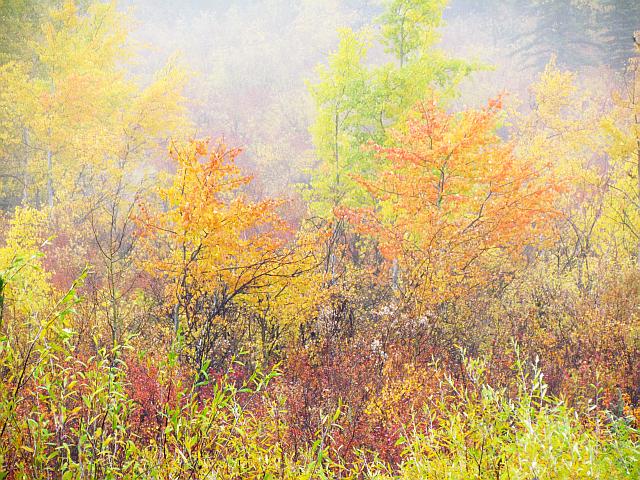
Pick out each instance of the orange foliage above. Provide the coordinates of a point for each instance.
(454, 202)
(210, 233)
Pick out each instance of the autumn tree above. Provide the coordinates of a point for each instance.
(571, 140)
(623, 129)
(456, 206)
(72, 112)
(80, 134)
(30, 288)
(220, 254)
(358, 99)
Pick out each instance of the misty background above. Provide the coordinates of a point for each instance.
(249, 60)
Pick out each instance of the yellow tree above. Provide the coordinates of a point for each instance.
(623, 129)
(79, 133)
(74, 108)
(26, 292)
(217, 251)
(91, 117)
(563, 130)
(30, 288)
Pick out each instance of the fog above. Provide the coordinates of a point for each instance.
(249, 60)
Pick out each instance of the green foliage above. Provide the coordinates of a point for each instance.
(486, 433)
(356, 102)
(19, 21)
(409, 26)
(343, 95)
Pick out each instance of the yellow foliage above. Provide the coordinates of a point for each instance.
(30, 289)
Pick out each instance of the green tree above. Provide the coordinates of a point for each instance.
(342, 96)
(357, 102)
